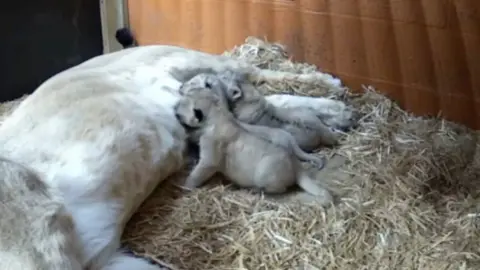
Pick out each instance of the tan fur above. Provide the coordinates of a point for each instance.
(231, 148)
(35, 230)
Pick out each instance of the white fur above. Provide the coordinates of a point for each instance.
(104, 134)
(105, 138)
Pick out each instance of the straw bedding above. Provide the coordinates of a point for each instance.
(407, 193)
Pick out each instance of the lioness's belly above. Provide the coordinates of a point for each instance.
(113, 148)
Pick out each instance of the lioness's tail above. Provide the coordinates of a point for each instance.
(309, 185)
(125, 37)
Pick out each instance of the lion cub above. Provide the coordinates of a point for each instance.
(240, 151)
(227, 92)
(251, 107)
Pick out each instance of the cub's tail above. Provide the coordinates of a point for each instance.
(307, 157)
(309, 185)
(125, 37)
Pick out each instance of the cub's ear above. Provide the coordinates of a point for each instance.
(235, 94)
(209, 82)
(181, 89)
(198, 114)
(260, 83)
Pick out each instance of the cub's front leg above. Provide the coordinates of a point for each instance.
(207, 165)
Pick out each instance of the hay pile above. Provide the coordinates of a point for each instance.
(408, 191)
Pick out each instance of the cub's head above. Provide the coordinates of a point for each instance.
(239, 82)
(219, 84)
(197, 108)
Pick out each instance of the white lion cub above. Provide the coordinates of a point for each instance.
(252, 107)
(237, 151)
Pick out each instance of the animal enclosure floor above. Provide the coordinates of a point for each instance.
(407, 191)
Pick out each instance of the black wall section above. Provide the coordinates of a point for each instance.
(40, 38)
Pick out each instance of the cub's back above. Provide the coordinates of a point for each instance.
(249, 148)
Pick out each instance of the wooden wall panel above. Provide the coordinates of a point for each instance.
(41, 38)
(423, 53)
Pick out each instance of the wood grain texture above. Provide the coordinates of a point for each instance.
(425, 54)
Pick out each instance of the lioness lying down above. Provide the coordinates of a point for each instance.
(248, 155)
(104, 135)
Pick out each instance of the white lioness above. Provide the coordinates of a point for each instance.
(234, 149)
(104, 134)
(35, 230)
